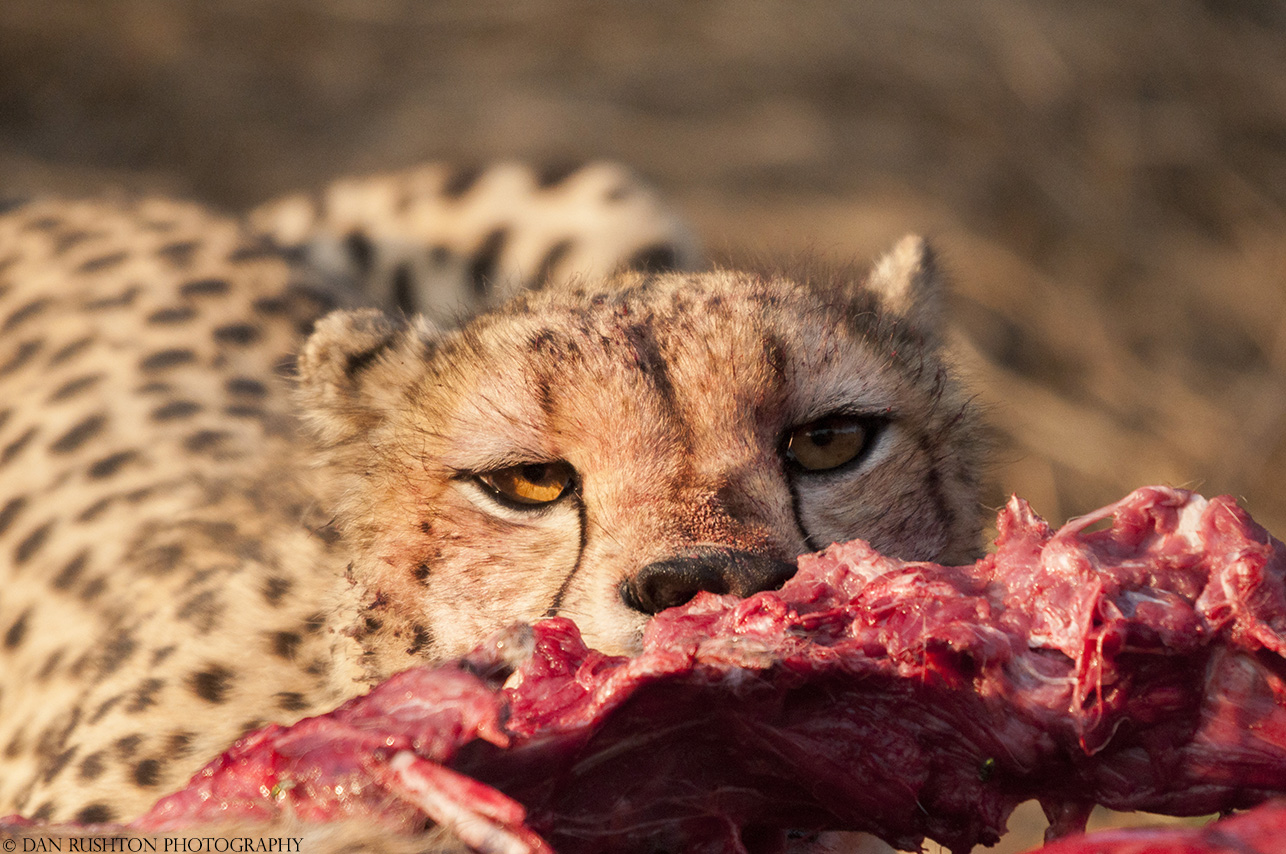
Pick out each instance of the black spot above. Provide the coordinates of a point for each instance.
(421, 573)
(552, 259)
(121, 300)
(482, 267)
(92, 588)
(244, 412)
(116, 653)
(317, 667)
(205, 440)
(44, 812)
(96, 509)
(439, 255)
(26, 350)
(68, 351)
(285, 644)
(17, 631)
(327, 533)
(404, 289)
(15, 447)
(42, 223)
(110, 465)
(163, 653)
(179, 743)
(8, 204)
(14, 747)
(54, 738)
(314, 623)
(147, 772)
(71, 388)
(26, 312)
(58, 763)
(203, 610)
(204, 287)
(254, 252)
(32, 543)
(102, 262)
(79, 434)
(91, 767)
(174, 314)
(654, 259)
(178, 253)
(553, 174)
(127, 746)
(51, 663)
(212, 683)
(145, 695)
(155, 387)
(94, 814)
(72, 571)
(163, 359)
(160, 559)
(68, 239)
(460, 181)
(373, 624)
(10, 512)
(274, 588)
(361, 250)
(291, 701)
(175, 409)
(246, 386)
(422, 638)
(239, 334)
(273, 306)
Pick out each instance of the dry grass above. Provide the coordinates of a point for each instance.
(1106, 179)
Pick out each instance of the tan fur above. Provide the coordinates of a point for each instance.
(461, 238)
(193, 542)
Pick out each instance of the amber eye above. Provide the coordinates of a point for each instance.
(829, 442)
(529, 484)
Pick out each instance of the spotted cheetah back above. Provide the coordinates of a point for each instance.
(446, 241)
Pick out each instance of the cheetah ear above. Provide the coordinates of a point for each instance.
(907, 282)
(356, 367)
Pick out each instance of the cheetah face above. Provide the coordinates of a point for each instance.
(604, 453)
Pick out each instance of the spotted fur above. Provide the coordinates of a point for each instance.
(207, 523)
(443, 241)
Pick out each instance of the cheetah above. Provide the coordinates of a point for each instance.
(230, 494)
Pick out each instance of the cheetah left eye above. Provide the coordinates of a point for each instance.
(528, 484)
(831, 442)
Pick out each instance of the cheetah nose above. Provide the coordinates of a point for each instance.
(667, 583)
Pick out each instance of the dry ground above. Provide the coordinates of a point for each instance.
(1106, 179)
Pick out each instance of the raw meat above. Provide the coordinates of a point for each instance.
(1138, 666)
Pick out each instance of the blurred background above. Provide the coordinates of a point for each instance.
(1106, 180)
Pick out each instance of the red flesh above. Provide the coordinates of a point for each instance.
(1138, 667)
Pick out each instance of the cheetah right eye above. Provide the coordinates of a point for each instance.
(528, 485)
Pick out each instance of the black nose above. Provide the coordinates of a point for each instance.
(672, 582)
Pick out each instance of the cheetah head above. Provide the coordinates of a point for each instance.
(603, 452)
